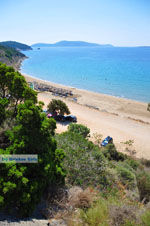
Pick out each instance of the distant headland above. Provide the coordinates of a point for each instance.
(71, 44)
(15, 45)
(10, 53)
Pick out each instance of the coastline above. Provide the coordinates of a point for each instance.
(100, 101)
(17, 65)
(121, 118)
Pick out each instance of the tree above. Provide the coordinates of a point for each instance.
(3, 106)
(58, 107)
(14, 88)
(79, 128)
(6, 75)
(148, 107)
(84, 163)
(22, 185)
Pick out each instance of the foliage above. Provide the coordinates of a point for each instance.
(111, 153)
(3, 106)
(145, 162)
(15, 45)
(146, 218)
(98, 214)
(79, 128)
(133, 163)
(58, 106)
(143, 183)
(127, 177)
(97, 139)
(106, 212)
(148, 107)
(111, 211)
(14, 88)
(84, 163)
(129, 142)
(22, 185)
(4, 141)
(129, 147)
(9, 55)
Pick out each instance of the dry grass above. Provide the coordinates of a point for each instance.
(83, 199)
(67, 207)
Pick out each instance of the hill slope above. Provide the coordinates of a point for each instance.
(11, 56)
(70, 44)
(16, 45)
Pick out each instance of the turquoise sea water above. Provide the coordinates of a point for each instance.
(118, 71)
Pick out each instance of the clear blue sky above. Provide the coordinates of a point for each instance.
(117, 22)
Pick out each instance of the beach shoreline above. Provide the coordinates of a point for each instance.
(121, 118)
(100, 96)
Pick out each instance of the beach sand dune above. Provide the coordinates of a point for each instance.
(120, 118)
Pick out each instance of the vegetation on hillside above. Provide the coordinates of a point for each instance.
(10, 56)
(25, 131)
(121, 182)
(15, 45)
(79, 128)
(114, 187)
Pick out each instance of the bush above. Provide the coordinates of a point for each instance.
(134, 164)
(84, 163)
(143, 183)
(3, 104)
(22, 185)
(146, 218)
(111, 153)
(145, 162)
(80, 129)
(123, 214)
(13, 89)
(98, 214)
(58, 106)
(126, 176)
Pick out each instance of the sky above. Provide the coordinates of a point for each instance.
(116, 22)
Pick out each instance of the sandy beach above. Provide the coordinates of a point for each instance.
(123, 119)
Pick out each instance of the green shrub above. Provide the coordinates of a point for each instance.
(145, 162)
(134, 164)
(84, 163)
(22, 185)
(3, 105)
(143, 183)
(58, 106)
(79, 128)
(98, 214)
(146, 218)
(126, 176)
(111, 153)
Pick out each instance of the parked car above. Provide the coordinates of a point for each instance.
(60, 118)
(107, 140)
(70, 118)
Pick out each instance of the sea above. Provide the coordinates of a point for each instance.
(117, 71)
